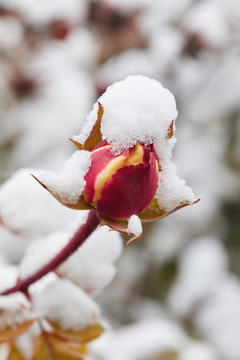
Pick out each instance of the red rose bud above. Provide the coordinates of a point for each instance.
(120, 186)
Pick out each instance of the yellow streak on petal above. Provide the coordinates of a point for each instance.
(107, 173)
(101, 148)
(135, 155)
(157, 168)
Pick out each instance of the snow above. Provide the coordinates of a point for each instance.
(42, 12)
(91, 267)
(15, 310)
(69, 183)
(134, 225)
(8, 276)
(198, 351)
(202, 265)
(171, 189)
(11, 34)
(128, 6)
(144, 339)
(27, 209)
(66, 305)
(137, 109)
(219, 318)
(208, 20)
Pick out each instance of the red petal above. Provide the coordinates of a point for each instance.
(129, 191)
(100, 159)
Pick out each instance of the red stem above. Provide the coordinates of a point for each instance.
(77, 240)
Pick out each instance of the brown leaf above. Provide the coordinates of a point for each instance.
(170, 130)
(81, 337)
(14, 353)
(12, 332)
(15, 316)
(49, 347)
(119, 225)
(95, 136)
(169, 355)
(80, 205)
(154, 212)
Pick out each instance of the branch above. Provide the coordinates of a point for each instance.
(77, 240)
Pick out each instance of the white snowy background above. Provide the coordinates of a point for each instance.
(175, 294)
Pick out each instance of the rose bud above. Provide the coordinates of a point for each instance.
(114, 183)
(124, 169)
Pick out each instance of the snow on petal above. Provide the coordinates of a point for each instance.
(65, 304)
(69, 183)
(15, 310)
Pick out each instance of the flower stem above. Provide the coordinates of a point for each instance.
(77, 240)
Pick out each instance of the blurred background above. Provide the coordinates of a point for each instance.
(176, 294)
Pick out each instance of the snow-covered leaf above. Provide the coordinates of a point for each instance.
(49, 347)
(15, 316)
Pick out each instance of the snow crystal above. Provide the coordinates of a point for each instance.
(67, 305)
(134, 225)
(69, 183)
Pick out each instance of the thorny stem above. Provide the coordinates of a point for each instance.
(76, 241)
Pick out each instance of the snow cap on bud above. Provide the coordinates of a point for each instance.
(126, 146)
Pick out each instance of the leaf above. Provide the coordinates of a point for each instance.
(15, 316)
(88, 334)
(154, 212)
(170, 130)
(95, 136)
(119, 225)
(12, 332)
(80, 205)
(169, 355)
(49, 347)
(14, 353)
